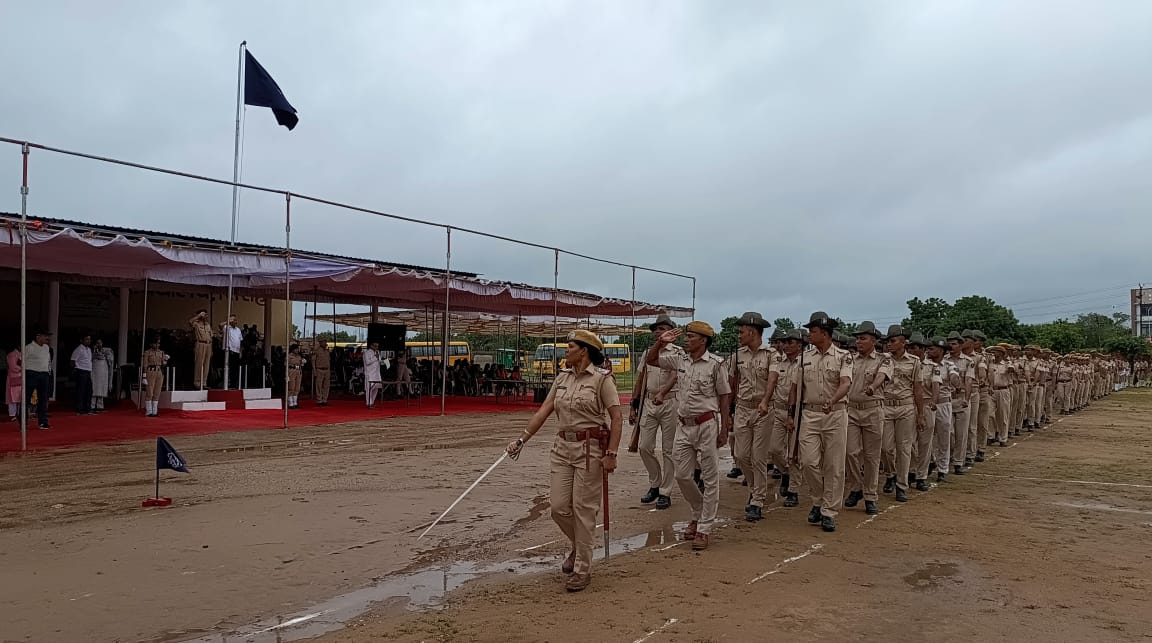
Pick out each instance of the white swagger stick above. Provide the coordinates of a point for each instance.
(466, 492)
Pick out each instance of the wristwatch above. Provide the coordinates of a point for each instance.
(611, 453)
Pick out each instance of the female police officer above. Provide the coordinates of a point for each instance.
(582, 397)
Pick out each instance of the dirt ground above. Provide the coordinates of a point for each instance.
(313, 532)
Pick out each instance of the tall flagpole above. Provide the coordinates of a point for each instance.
(24, 397)
(235, 192)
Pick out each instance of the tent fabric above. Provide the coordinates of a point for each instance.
(130, 258)
(478, 323)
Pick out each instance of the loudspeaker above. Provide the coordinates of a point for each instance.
(390, 336)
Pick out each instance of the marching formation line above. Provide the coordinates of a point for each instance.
(670, 623)
(811, 550)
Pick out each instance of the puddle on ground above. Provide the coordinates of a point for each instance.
(422, 589)
(930, 575)
(1101, 507)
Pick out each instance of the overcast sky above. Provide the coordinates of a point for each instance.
(843, 156)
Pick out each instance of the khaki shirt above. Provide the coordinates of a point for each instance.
(864, 371)
(929, 374)
(701, 382)
(655, 379)
(950, 378)
(785, 376)
(998, 375)
(295, 361)
(822, 373)
(154, 357)
(321, 358)
(905, 372)
(752, 370)
(980, 364)
(202, 331)
(582, 399)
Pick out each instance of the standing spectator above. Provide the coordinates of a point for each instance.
(82, 374)
(233, 340)
(15, 392)
(38, 375)
(372, 379)
(103, 363)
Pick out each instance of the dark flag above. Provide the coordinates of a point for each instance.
(167, 458)
(261, 91)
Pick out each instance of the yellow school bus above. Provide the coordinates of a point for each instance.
(457, 351)
(549, 356)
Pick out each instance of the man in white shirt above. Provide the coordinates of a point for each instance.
(372, 379)
(232, 338)
(82, 375)
(37, 360)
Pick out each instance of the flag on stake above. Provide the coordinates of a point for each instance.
(261, 91)
(166, 458)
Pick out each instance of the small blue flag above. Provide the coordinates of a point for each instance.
(261, 91)
(167, 458)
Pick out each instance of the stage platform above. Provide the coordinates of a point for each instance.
(126, 423)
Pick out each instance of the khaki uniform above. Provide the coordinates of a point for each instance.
(966, 369)
(945, 418)
(931, 374)
(581, 404)
(202, 333)
(865, 424)
(780, 447)
(824, 436)
(701, 383)
(660, 419)
(322, 368)
(1064, 386)
(1019, 393)
(295, 363)
(975, 403)
(751, 430)
(1001, 380)
(987, 406)
(154, 360)
(900, 417)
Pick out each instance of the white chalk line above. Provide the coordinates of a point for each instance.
(667, 547)
(886, 510)
(811, 550)
(538, 546)
(1084, 482)
(670, 623)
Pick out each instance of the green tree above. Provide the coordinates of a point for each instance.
(982, 313)
(341, 336)
(929, 316)
(1098, 329)
(1061, 336)
(783, 323)
(644, 341)
(1131, 346)
(728, 339)
(846, 327)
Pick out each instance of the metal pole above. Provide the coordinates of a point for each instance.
(143, 342)
(632, 353)
(693, 298)
(556, 310)
(447, 293)
(315, 312)
(23, 297)
(287, 294)
(235, 189)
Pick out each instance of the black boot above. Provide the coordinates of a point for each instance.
(828, 523)
(814, 516)
(752, 513)
(651, 496)
(890, 484)
(791, 500)
(853, 498)
(785, 482)
(958, 470)
(941, 477)
(901, 495)
(870, 507)
(922, 485)
(735, 473)
(979, 456)
(663, 502)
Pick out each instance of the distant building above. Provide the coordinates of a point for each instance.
(1142, 312)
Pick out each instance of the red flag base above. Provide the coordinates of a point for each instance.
(156, 502)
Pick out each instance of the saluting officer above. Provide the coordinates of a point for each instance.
(702, 404)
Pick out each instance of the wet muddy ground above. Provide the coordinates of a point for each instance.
(313, 532)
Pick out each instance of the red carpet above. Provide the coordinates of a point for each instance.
(124, 423)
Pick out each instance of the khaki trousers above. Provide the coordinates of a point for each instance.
(1032, 405)
(959, 447)
(662, 469)
(900, 427)
(862, 451)
(752, 431)
(293, 381)
(203, 362)
(823, 442)
(924, 440)
(942, 437)
(974, 404)
(780, 448)
(1063, 395)
(986, 419)
(1019, 401)
(155, 384)
(1002, 400)
(1038, 405)
(695, 448)
(575, 494)
(323, 384)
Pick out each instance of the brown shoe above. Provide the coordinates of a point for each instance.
(700, 543)
(577, 582)
(690, 531)
(569, 563)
